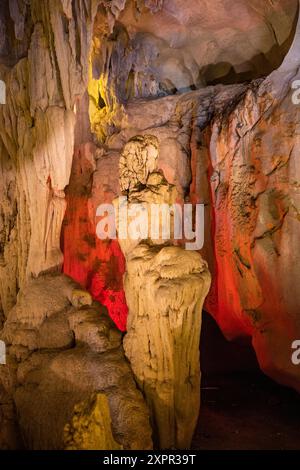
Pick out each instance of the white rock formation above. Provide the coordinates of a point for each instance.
(165, 290)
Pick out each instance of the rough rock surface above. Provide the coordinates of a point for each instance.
(98, 265)
(138, 161)
(44, 72)
(231, 147)
(90, 428)
(159, 48)
(234, 149)
(58, 357)
(165, 290)
(255, 192)
(244, 168)
(227, 148)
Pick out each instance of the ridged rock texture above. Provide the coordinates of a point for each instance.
(37, 131)
(83, 78)
(165, 289)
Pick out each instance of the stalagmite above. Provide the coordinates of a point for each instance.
(165, 290)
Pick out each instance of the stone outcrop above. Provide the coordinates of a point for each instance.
(138, 161)
(255, 200)
(45, 49)
(66, 365)
(10, 438)
(178, 46)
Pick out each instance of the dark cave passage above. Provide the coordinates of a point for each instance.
(241, 408)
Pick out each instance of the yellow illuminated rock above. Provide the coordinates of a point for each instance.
(90, 428)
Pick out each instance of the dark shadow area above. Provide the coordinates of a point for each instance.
(241, 407)
(219, 356)
(258, 67)
(13, 49)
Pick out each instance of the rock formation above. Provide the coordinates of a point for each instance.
(9, 433)
(66, 367)
(90, 428)
(165, 289)
(256, 194)
(138, 161)
(43, 78)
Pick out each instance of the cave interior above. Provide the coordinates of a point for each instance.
(113, 338)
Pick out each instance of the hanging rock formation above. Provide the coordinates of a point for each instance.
(43, 78)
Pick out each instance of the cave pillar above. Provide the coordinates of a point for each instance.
(165, 288)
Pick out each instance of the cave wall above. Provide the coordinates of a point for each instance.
(98, 265)
(37, 132)
(232, 148)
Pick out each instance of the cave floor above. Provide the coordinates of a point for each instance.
(241, 408)
(247, 411)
